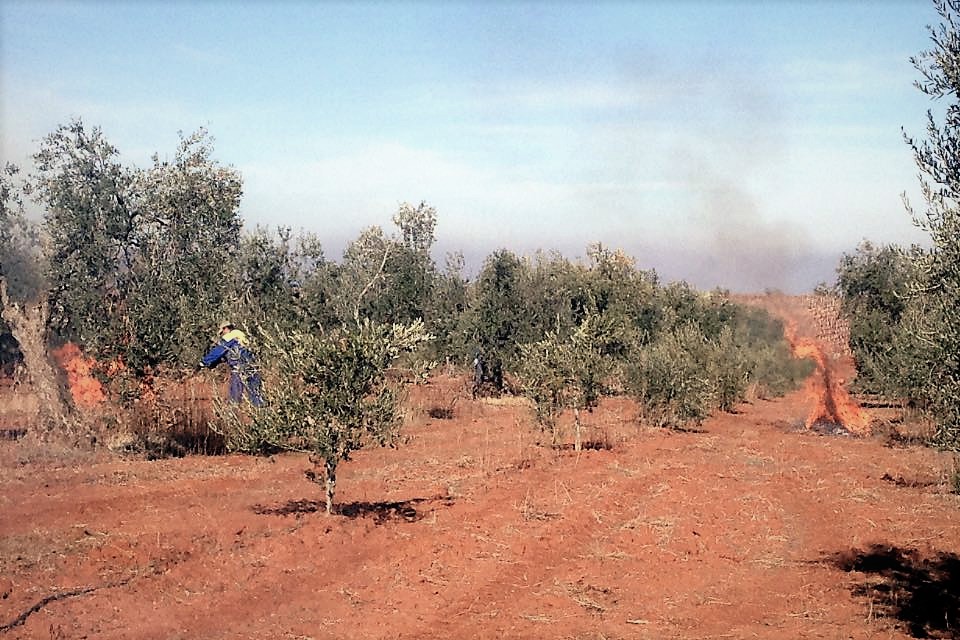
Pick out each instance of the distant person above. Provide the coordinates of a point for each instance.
(244, 376)
(477, 374)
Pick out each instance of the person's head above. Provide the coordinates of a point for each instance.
(225, 327)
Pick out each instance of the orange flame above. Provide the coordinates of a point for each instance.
(833, 403)
(86, 390)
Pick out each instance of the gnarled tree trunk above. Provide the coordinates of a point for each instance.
(28, 324)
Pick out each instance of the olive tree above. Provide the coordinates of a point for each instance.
(567, 373)
(21, 259)
(391, 278)
(185, 236)
(137, 258)
(278, 278)
(936, 293)
(875, 286)
(495, 318)
(91, 222)
(327, 393)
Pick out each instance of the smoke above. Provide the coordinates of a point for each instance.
(733, 136)
(739, 246)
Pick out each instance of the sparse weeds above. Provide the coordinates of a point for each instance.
(597, 550)
(592, 598)
(441, 400)
(662, 527)
(435, 574)
(769, 560)
(531, 511)
(599, 440)
(537, 617)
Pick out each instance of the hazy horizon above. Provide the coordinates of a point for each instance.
(732, 144)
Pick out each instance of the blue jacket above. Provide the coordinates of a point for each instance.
(231, 348)
(244, 377)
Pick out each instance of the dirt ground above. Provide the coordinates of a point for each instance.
(750, 526)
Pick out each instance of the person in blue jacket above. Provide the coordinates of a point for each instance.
(244, 376)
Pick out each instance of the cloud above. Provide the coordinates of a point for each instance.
(368, 179)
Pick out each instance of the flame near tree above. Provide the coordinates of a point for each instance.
(832, 402)
(85, 389)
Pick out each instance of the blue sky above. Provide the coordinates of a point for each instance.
(736, 144)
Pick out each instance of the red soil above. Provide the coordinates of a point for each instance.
(751, 527)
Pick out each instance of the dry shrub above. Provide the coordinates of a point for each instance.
(440, 398)
(169, 419)
(599, 439)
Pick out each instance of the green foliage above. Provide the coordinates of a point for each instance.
(937, 325)
(690, 371)
(775, 370)
(266, 277)
(90, 221)
(327, 394)
(390, 279)
(143, 263)
(495, 319)
(670, 380)
(874, 284)
(447, 306)
(683, 354)
(567, 373)
(138, 259)
(282, 280)
(185, 239)
(411, 273)
(902, 306)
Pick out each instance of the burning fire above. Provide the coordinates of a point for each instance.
(833, 404)
(85, 389)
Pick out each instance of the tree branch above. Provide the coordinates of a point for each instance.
(383, 263)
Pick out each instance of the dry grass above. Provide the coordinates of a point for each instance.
(597, 550)
(769, 560)
(508, 401)
(592, 598)
(537, 617)
(663, 527)
(439, 401)
(17, 457)
(531, 511)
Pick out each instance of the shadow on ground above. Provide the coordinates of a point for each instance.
(921, 593)
(915, 483)
(381, 512)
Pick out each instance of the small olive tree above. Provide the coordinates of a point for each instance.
(567, 373)
(327, 394)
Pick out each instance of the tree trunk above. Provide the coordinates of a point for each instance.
(331, 469)
(577, 445)
(28, 324)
